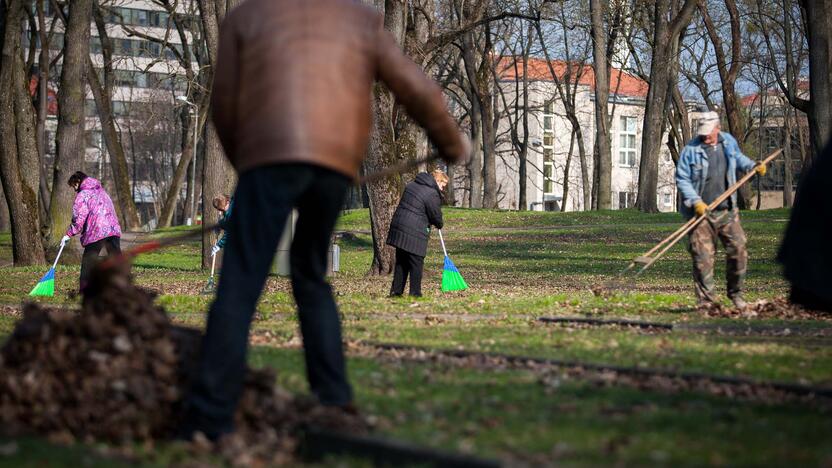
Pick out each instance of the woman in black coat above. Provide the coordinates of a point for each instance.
(420, 207)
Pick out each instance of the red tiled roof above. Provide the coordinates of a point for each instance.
(752, 99)
(621, 82)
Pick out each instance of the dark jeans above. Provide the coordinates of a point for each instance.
(262, 203)
(407, 264)
(91, 255)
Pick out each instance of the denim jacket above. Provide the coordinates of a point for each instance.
(692, 169)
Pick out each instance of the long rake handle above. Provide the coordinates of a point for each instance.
(730, 191)
(213, 262)
(395, 169)
(674, 238)
(57, 257)
(442, 241)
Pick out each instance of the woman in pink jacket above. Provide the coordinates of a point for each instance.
(94, 217)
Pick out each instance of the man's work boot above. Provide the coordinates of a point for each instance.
(739, 302)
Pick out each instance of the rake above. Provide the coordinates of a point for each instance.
(451, 278)
(46, 285)
(209, 287)
(650, 257)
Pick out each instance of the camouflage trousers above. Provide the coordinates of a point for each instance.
(725, 226)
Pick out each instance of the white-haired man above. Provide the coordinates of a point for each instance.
(707, 167)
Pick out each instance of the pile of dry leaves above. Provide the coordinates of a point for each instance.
(117, 370)
(778, 308)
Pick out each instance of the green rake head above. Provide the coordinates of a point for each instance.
(451, 278)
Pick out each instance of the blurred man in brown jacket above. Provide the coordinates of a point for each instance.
(292, 106)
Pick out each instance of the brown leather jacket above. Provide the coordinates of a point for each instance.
(294, 80)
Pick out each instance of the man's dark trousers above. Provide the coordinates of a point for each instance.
(92, 254)
(262, 203)
(407, 264)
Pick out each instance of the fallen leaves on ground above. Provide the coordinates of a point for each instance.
(778, 308)
(117, 371)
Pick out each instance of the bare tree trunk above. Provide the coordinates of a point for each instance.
(788, 170)
(586, 184)
(489, 146)
(18, 149)
(475, 165)
(112, 139)
(666, 35)
(602, 89)
(43, 109)
(728, 73)
(566, 172)
(71, 132)
(450, 189)
(181, 171)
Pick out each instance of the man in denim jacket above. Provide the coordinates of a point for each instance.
(707, 168)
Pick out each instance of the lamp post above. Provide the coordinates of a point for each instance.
(184, 100)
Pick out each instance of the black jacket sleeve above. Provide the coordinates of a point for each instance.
(433, 208)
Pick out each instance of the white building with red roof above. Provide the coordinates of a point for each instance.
(550, 137)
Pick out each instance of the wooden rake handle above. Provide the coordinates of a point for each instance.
(671, 240)
(396, 169)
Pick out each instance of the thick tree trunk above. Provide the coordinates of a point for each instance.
(665, 36)
(383, 151)
(384, 193)
(602, 92)
(71, 146)
(217, 174)
(217, 177)
(788, 168)
(819, 17)
(18, 149)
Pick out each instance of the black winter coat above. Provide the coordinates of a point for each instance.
(420, 206)
(806, 253)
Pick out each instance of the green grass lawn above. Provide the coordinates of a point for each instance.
(522, 266)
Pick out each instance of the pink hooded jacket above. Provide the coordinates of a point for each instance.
(93, 214)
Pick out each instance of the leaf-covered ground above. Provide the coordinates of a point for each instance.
(523, 266)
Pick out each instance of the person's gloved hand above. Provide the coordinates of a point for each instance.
(761, 169)
(700, 208)
(214, 250)
(64, 240)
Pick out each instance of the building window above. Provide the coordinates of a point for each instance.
(667, 199)
(548, 149)
(626, 200)
(627, 141)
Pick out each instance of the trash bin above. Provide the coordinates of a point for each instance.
(281, 265)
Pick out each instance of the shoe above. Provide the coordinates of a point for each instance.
(739, 302)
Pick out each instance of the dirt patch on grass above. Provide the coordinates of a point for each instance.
(552, 374)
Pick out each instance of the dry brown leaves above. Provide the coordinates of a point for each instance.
(116, 371)
(778, 308)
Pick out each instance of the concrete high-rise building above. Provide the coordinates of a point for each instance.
(147, 76)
